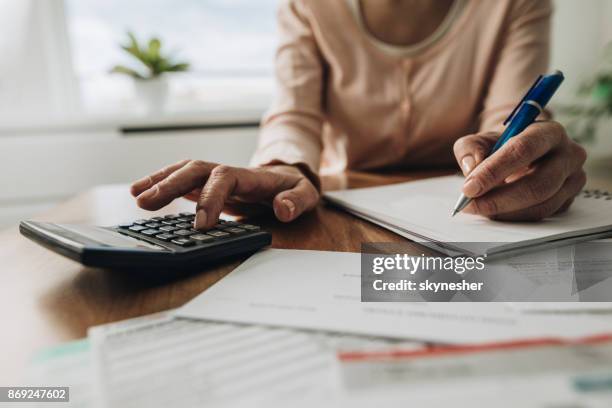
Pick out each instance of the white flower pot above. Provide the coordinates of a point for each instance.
(152, 93)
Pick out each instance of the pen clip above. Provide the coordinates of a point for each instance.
(537, 81)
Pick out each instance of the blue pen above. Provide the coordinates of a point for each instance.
(525, 113)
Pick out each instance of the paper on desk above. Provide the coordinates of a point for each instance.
(589, 266)
(468, 381)
(421, 208)
(538, 374)
(66, 365)
(321, 291)
(159, 361)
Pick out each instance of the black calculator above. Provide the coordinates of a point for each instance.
(167, 243)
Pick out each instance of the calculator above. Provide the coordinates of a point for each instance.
(157, 243)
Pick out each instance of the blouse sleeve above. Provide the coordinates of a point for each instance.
(524, 55)
(291, 129)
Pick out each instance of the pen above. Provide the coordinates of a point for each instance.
(523, 115)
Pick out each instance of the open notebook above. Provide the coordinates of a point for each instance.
(420, 210)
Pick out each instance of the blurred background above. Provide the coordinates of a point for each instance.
(74, 112)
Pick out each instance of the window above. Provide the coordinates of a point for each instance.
(229, 43)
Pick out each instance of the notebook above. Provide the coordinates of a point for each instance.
(421, 211)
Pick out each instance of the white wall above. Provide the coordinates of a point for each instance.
(607, 20)
(580, 30)
(38, 170)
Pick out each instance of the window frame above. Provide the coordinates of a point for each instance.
(64, 110)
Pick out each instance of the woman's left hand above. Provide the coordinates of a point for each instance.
(533, 176)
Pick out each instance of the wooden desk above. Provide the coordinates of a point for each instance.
(46, 299)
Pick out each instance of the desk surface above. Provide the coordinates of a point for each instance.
(46, 299)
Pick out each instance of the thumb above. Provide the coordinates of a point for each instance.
(290, 204)
(471, 150)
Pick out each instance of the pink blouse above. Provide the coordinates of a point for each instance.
(347, 101)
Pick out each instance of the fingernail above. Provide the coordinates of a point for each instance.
(467, 164)
(200, 219)
(289, 204)
(471, 188)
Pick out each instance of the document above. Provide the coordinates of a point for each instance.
(66, 365)
(160, 361)
(584, 270)
(526, 375)
(321, 291)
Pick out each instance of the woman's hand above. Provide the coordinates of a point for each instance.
(534, 175)
(215, 187)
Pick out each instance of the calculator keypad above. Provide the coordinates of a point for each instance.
(166, 237)
(178, 230)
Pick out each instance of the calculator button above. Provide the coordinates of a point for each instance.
(184, 233)
(153, 225)
(166, 237)
(137, 228)
(218, 234)
(231, 223)
(168, 228)
(235, 230)
(220, 226)
(184, 242)
(157, 219)
(184, 225)
(201, 238)
(149, 232)
(186, 214)
(169, 216)
(250, 227)
(140, 222)
(125, 225)
(170, 222)
(185, 219)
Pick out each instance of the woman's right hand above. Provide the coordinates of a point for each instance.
(215, 187)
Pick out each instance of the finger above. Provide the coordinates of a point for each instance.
(473, 149)
(146, 182)
(558, 203)
(519, 152)
(566, 205)
(290, 204)
(177, 184)
(220, 185)
(250, 185)
(536, 187)
(194, 194)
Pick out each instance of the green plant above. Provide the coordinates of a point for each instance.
(596, 104)
(152, 61)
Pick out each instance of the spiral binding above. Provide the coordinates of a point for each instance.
(597, 194)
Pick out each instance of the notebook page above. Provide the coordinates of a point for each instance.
(423, 207)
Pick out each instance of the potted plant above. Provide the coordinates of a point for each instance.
(590, 121)
(149, 74)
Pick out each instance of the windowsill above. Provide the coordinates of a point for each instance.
(204, 117)
(215, 102)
